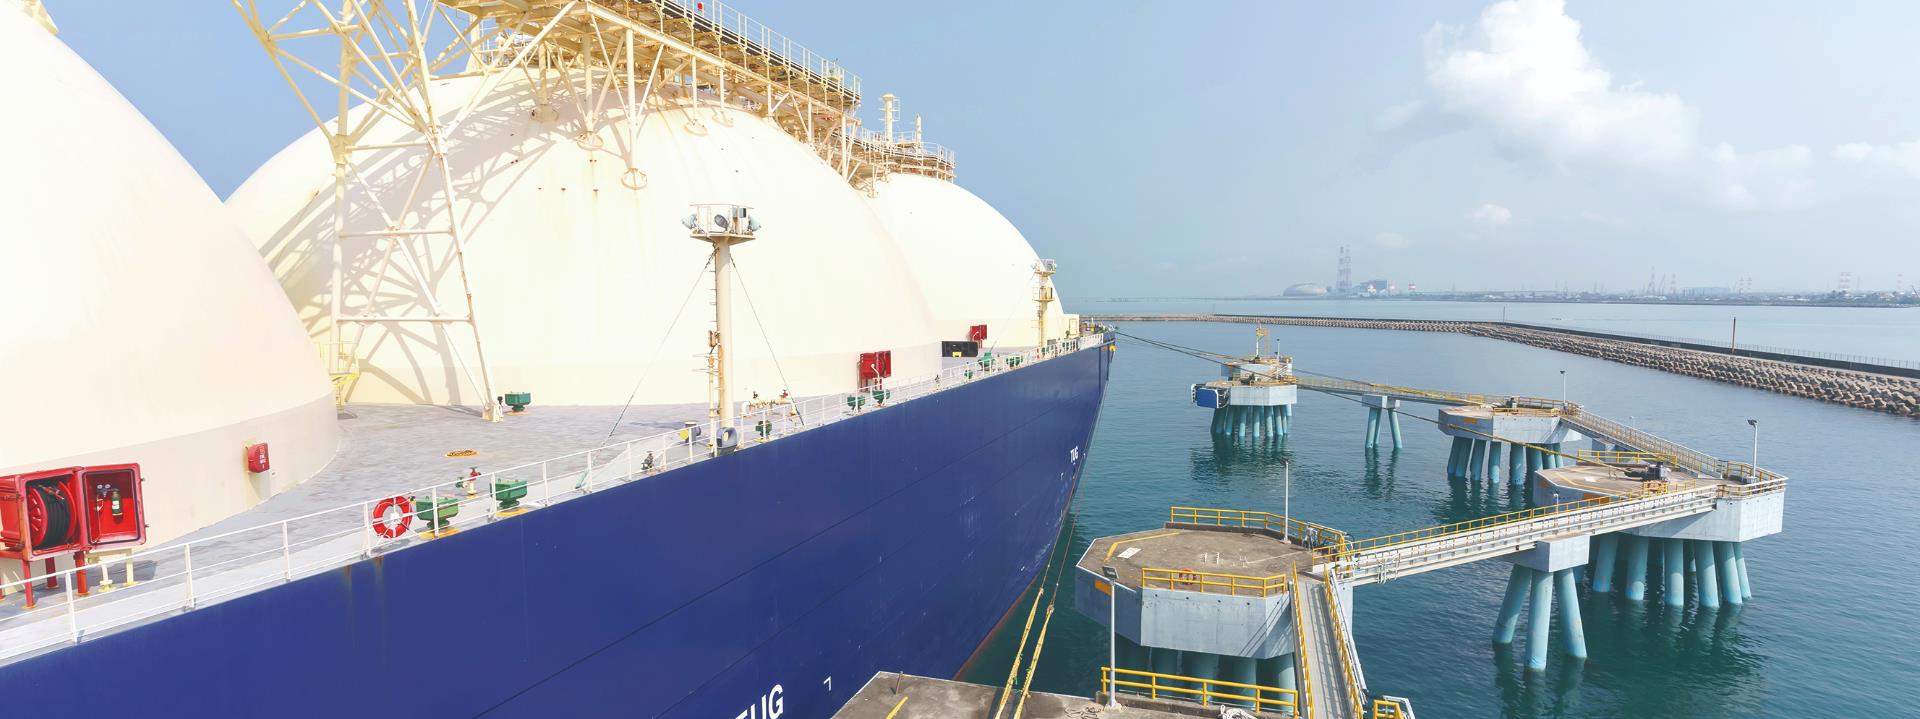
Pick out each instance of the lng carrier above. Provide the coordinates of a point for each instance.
(587, 357)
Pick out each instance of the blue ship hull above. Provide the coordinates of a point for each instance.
(766, 584)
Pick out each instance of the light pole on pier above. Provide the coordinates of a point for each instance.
(1563, 386)
(1755, 424)
(1113, 631)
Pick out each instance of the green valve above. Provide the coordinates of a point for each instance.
(509, 494)
(437, 517)
(519, 400)
(855, 401)
(764, 427)
(880, 396)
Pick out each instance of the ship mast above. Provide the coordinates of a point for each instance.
(1043, 295)
(722, 226)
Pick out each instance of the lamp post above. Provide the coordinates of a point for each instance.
(1286, 496)
(1113, 630)
(1755, 424)
(1563, 386)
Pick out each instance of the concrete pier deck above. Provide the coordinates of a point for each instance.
(1220, 550)
(903, 696)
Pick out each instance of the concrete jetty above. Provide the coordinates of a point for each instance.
(1893, 390)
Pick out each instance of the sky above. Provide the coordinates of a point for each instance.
(1231, 148)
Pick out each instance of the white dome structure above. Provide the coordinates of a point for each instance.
(137, 324)
(975, 266)
(586, 284)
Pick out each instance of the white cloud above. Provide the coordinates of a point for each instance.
(1393, 118)
(1490, 215)
(1391, 239)
(1903, 156)
(1524, 73)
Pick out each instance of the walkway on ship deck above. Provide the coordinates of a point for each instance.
(393, 450)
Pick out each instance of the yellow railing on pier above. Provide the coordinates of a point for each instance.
(1307, 533)
(1387, 709)
(1347, 661)
(1205, 691)
(1626, 457)
(1190, 580)
(1301, 666)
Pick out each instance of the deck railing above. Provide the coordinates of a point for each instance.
(192, 573)
(1343, 644)
(1175, 686)
(1311, 535)
(1189, 580)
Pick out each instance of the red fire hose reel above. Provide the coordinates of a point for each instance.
(69, 510)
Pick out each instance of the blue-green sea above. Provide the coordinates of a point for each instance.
(1831, 630)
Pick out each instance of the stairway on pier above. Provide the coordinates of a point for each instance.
(1329, 694)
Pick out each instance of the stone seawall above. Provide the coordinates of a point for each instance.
(1866, 390)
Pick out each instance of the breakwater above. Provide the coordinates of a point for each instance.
(1895, 390)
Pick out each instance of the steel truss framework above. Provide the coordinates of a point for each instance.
(383, 59)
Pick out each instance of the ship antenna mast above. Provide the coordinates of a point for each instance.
(1043, 295)
(722, 226)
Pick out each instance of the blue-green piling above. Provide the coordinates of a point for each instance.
(1604, 548)
(1166, 661)
(1477, 460)
(1373, 427)
(1493, 462)
(1393, 424)
(1571, 628)
(1517, 465)
(1518, 583)
(1637, 551)
(1200, 665)
(1740, 559)
(1539, 619)
(1729, 571)
(1457, 460)
(1704, 574)
(1241, 670)
(1675, 563)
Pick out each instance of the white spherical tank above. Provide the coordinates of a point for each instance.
(586, 284)
(974, 265)
(137, 323)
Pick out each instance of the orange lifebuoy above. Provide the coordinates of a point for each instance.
(392, 528)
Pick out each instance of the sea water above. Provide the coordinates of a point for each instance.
(1830, 631)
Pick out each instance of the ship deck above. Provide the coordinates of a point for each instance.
(385, 450)
(551, 453)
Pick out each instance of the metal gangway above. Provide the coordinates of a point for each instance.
(1578, 417)
(1329, 666)
(1407, 553)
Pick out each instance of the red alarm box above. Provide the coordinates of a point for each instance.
(977, 333)
(257, 461)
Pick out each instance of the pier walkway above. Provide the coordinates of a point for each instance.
(1330, 669)
(1883, 385)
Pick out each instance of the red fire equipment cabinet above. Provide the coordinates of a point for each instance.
(875, 366)
(74, 509)
(977, 333)
(257, 458)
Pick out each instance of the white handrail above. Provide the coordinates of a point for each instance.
(332, 537)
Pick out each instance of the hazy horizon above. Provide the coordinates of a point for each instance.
(1231, 150)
